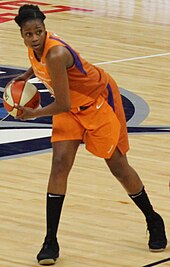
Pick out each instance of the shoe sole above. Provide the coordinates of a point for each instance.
(156, 250)
(47, 261)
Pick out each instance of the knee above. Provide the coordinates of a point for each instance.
(121, 171)
(60, 166)
(119, 166)
(124, 173)
(120, 174)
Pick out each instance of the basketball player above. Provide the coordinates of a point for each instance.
(87, 108)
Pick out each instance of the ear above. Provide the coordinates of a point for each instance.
(44, 26)
(21, 32)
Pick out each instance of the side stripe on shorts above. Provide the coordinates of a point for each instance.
(110, 96)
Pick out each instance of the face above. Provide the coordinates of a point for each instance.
(34, 34)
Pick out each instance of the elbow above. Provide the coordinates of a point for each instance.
(62, 106)
(66, 108)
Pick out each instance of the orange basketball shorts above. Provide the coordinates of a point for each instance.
(102, 126)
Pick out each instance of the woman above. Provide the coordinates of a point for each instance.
(87, 108)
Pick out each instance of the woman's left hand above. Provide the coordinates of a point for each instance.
(27, 113)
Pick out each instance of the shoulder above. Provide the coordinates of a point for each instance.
(52, 39)
(50, 42)
(57, 50)
(59, 54)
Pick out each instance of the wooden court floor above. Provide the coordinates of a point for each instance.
(100, 226)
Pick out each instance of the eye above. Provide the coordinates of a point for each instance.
(38, 32)
(27, 34)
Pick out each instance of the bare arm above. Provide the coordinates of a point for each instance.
(25, 76)
(58, 60)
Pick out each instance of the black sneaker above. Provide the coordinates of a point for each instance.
(49, 253)
(157, 241)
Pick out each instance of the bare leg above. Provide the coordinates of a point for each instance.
(130, 180)
(63, 157)
(126, 175)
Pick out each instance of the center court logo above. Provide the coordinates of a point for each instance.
(18, 138)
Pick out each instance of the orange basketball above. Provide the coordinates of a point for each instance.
(20, 93)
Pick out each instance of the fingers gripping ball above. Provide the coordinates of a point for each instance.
(20, 93)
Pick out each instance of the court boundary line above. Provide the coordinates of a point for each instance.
(157, 262)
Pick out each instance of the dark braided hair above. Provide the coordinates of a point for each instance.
(28, 12)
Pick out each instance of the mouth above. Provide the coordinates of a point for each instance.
(36, 46)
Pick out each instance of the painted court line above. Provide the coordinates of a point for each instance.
(132, 58)
(157, 263)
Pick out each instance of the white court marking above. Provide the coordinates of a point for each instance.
(132, 58)
(36, 80)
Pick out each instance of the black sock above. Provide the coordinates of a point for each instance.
(142, 201)
(53, 212)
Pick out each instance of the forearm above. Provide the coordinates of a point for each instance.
(28, 74)
(25, 76)
(51, 109)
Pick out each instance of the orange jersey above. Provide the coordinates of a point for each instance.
(102, 127)
(86, 82)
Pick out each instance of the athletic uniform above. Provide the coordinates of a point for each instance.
(96, 116)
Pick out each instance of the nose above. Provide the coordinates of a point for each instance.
(34, 38)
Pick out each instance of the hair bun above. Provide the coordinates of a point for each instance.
(28, 7)
(28, 12)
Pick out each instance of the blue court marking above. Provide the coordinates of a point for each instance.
(136, 110)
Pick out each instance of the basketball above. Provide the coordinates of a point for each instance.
(20, 93)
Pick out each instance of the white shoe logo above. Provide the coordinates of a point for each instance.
(53, 195)
(99, 106)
